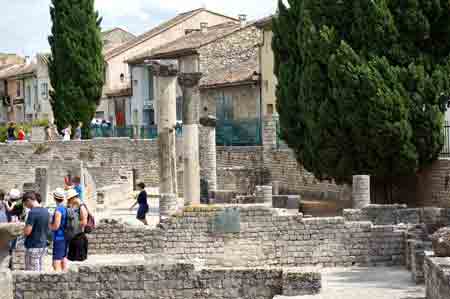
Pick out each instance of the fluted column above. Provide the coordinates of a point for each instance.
(191, 102)
(166, 78)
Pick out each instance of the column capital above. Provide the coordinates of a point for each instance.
(164, 70)
(189, 80)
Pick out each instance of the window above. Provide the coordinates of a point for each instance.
(149, 117)
(135, 82)
(179, 108)
(150, 86)
(269, 108)
(44, 91)
(28, 96)
(122, 77)
(224, 104)
(18, 89)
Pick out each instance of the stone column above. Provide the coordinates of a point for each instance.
(166, 77)
(361, 191)
(191, 103)
(208, 153)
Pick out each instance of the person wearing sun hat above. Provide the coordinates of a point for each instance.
(58, 225)
(77, 221)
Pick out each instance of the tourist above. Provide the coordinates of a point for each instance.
(78, 187)
(77, 217)
(58, 226)
(21, 134)
(5, 208)
(11, 132)
(36, 231)
(143, 204)
(67, 132)
(78, 131)
(55, 135)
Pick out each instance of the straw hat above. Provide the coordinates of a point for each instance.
(71, 193)
(14, 194)
(59, 193)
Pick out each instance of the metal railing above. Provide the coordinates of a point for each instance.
(445, 152)
(139, 132)
(246, 132)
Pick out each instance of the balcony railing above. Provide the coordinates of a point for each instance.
(245, 132)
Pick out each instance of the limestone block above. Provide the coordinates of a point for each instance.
(441, 242)
(279, 201)
(301, 283)
(6, 285)
(361, 191)
(9, 231)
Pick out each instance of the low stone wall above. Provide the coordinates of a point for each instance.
(145, 280)
(256, 236)
(397, 214)
(437, 277)
(416, 252)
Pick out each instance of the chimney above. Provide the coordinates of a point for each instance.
(204, 27)
(242, 19)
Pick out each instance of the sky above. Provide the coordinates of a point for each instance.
(25, 24)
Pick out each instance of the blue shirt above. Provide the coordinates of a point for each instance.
(58, 235)
(38, 218)
(80, 192)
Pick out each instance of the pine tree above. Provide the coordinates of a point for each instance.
(76, 65)
(361, 83)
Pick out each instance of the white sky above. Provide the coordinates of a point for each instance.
(25, 24)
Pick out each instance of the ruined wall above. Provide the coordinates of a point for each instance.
(264, 238)
(437, 277)
(108, 160)
(145, 280)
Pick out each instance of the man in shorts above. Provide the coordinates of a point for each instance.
(36, 233)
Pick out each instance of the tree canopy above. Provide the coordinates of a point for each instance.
(361, 83)
(76, 65)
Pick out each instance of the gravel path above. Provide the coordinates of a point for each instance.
(367, 283)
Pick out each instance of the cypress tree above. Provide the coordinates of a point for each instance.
(76, 66)
(361, 83)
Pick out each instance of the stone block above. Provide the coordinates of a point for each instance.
(301, 283)
(6, 285)
(279, 201)
(441, 242)
(224, 196)
(293, 202)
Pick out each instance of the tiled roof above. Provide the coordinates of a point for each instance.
(108, 32)
(188, 44)
(153, 32)
(264, 21)
(238, 73)
(17, 70)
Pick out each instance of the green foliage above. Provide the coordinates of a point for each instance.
(76, 66)
(360, 83)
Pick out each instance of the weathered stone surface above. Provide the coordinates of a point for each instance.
(163, 281)
(9, 231)
(6, 285)
(441, 242)
(437, 277)
(361, 191)
(301, 283)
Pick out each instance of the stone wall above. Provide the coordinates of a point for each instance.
(232, 50)
(154, 280)
(263, 238)
(399, 214)
(111, 161)
(437, 277)
(105, 159)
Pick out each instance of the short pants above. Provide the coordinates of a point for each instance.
(142, 212)
(59, 250)
(34, 259)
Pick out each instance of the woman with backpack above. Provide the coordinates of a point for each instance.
(58, 225)
(77, 220)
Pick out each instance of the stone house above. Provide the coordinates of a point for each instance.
(25, 91)
(227, 56)
(118, 104)
(266, 58)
